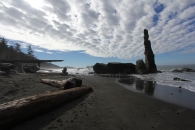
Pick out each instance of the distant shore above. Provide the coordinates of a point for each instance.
(109, 106)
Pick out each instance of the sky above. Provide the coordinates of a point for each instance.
(84, 32)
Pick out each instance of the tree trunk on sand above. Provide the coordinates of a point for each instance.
(16, 111)
(64, 84)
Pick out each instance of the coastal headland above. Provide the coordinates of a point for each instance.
(109, 106)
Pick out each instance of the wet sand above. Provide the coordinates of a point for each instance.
(110, 107)
(176, 95)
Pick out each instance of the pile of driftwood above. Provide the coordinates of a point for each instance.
(16, 111)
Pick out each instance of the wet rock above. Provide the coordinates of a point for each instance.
(184, 70)
(176, 70)
(179, 79)
(64, 71)
(187, 70)
(117, 67)
(141, 67)
(100, 68)
(127, 71)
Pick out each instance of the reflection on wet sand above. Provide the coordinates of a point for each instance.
(147, 86)
(139, 84)
(174, 95)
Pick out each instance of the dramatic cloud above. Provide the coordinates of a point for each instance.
(103, 28)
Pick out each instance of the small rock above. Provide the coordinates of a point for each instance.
(59, 120)
(179, 79)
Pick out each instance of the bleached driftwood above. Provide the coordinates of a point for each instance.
(64, 84)
(16, 111)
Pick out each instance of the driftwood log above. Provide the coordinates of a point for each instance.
(16, 111)
(64, 84)
(6, 67)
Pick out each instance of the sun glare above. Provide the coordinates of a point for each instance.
(35, 3)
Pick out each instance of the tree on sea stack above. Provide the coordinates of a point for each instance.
(149, 55)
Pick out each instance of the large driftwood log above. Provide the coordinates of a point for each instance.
(6, 67)
(16, 111)
(64, 84)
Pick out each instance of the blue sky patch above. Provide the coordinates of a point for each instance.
(158, 7)
(155, 20)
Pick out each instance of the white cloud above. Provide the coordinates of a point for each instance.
(48, 52)
(103, 28)
(37, 50)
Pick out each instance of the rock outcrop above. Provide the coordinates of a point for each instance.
(184, 70)
(149, 56)
(100, 68)
(64, 71)
(128, 68)
(187, 70)
(176, 70)
(141, 67)
(116, 67)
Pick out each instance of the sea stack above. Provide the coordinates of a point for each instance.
(149, 55)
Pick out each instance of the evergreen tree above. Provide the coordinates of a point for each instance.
(14, 52)
(17, 47)
(3, 48)
(3, 41)
(30, 52)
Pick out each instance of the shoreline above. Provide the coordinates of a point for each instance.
(109, 106)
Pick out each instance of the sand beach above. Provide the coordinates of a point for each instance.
(109, 107)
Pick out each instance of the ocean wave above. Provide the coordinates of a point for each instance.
(166, 78)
